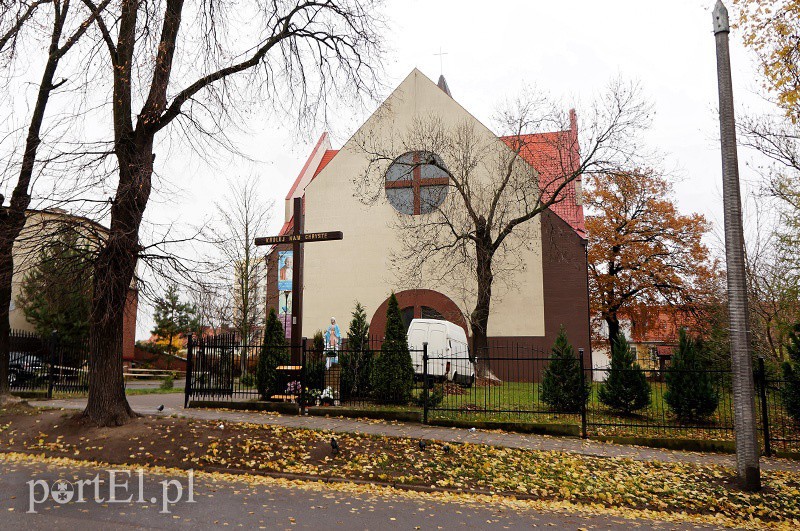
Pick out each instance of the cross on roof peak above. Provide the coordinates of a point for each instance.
(441, 63)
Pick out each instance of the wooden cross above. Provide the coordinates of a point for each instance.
(297, 238)
(417, 182)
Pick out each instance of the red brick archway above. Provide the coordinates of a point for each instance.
(419, 299)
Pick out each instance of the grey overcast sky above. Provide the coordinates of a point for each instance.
(493, 50)
(570, 48)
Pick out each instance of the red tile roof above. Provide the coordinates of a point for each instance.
(660, 325)
(326, 158)
(287, 227)
(305, 166)
(554, 155)
(665, 350)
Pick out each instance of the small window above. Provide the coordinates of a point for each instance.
(430, 313)
(408, 315)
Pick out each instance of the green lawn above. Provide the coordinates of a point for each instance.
(521, 402)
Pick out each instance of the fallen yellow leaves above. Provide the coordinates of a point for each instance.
(614, 484)
(445, 497)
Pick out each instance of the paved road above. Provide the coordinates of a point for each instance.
(221, 503)
(152, 384)
(173, 405)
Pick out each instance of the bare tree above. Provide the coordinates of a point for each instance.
(214, 304)
(476, 228)
(773, 283)
(777, 138)
(14, 14)
(296, 52)
(12, 218)
(773, 265)
(243, 215)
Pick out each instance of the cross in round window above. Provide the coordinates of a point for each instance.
(416, 182)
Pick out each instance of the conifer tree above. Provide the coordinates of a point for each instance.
(315, 364)
(173, 319)
(318, 342)
(691, 393)
(626, 390)
(57, 293)
(356, 360)
(563, 389)
(358, 331)
(791, 375)
(393, 372)
(273, 353)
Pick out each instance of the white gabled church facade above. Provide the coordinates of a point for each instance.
(358, 268)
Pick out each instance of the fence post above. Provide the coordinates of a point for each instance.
(583, 387)
(303, 377)
(425, 382)
(52, 376)
(187, 387)
(761, 384)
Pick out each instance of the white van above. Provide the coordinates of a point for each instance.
(448, 351)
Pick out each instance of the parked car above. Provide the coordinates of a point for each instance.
(448, 351)
(25, 367)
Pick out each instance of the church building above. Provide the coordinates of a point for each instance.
(546, 289)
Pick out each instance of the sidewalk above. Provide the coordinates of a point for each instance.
(173, 405)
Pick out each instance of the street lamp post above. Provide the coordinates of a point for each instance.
(744, 416)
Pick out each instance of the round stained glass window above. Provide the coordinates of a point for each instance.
(416, 182)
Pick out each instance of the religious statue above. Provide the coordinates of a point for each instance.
(333, 340)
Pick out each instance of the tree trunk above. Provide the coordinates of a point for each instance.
(6, 270)
(479, 319)
(613, 329)
(116, 264)
(12, 219)
(107, 405)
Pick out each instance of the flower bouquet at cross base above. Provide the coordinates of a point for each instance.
(326, 397)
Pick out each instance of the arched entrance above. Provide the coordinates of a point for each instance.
(419, 304)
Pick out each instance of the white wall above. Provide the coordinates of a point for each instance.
(357, 268)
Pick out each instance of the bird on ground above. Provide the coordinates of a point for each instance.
(334, 446)
(161, 407)
(446, 448)
(422, 445)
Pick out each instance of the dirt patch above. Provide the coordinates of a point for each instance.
(453, 389)
(10, 401)
(482, 381)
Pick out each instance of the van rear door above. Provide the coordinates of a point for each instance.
(417, 335)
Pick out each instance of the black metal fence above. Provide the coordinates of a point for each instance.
(506, 386)
(502, 384)
(47, 365)
(224, 367)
